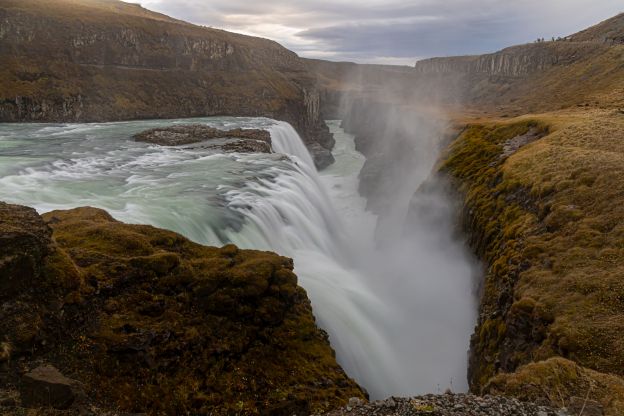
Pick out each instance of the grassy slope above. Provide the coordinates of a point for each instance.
(548, 222)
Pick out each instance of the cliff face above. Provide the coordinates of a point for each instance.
(515, 61)
(147, 321)
(543, 206)
(104, 60)
(545, 76)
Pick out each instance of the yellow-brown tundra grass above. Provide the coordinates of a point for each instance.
(548, 221)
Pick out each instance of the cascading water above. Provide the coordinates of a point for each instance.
(388, 318)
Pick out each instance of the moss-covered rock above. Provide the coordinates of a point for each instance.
(545, 220)
(151, 322)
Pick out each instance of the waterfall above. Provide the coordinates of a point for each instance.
(398, 317)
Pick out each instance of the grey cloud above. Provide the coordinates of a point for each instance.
(376, 30)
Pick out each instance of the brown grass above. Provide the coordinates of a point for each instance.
(548, 220)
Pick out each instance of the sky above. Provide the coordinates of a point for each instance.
(390, 31)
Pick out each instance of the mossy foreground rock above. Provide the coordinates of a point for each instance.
(148, 321)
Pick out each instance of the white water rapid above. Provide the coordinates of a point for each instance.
(399, 317)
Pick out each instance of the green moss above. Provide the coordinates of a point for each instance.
(497, 220)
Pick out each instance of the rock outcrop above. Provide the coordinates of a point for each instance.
(147, 321)
(236, 140)
(104, 60)
(46, 387)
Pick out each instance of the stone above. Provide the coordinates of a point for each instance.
(45, 386)
(448, 405)
(235, 140)
(24, 240)
(355, 401)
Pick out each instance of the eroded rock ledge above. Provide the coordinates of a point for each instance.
(148, 321)
(235, 140)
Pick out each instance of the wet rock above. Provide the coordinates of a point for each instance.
(321, 156)
(236, 140)
(45, 386)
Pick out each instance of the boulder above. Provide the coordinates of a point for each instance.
(45, 386)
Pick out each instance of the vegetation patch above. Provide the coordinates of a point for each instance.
(547, 222)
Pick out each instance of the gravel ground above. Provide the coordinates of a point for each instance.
(446, 405)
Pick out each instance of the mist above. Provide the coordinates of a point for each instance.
(418, 266)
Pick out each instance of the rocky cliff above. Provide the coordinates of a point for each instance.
(139, 319)
(544, 76)
(102, 60)
(543, 207)
(515, 61)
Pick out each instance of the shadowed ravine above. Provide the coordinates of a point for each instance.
(399, 315)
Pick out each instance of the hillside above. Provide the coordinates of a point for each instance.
(611, 32)
(104, 60)
(542, 206)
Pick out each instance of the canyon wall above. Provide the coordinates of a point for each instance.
(542, 204)
(515, 61)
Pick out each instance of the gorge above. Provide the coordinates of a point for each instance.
(453, 227)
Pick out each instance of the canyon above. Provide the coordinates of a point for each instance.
(527, 158)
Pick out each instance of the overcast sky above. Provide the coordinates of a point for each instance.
(396, 32)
